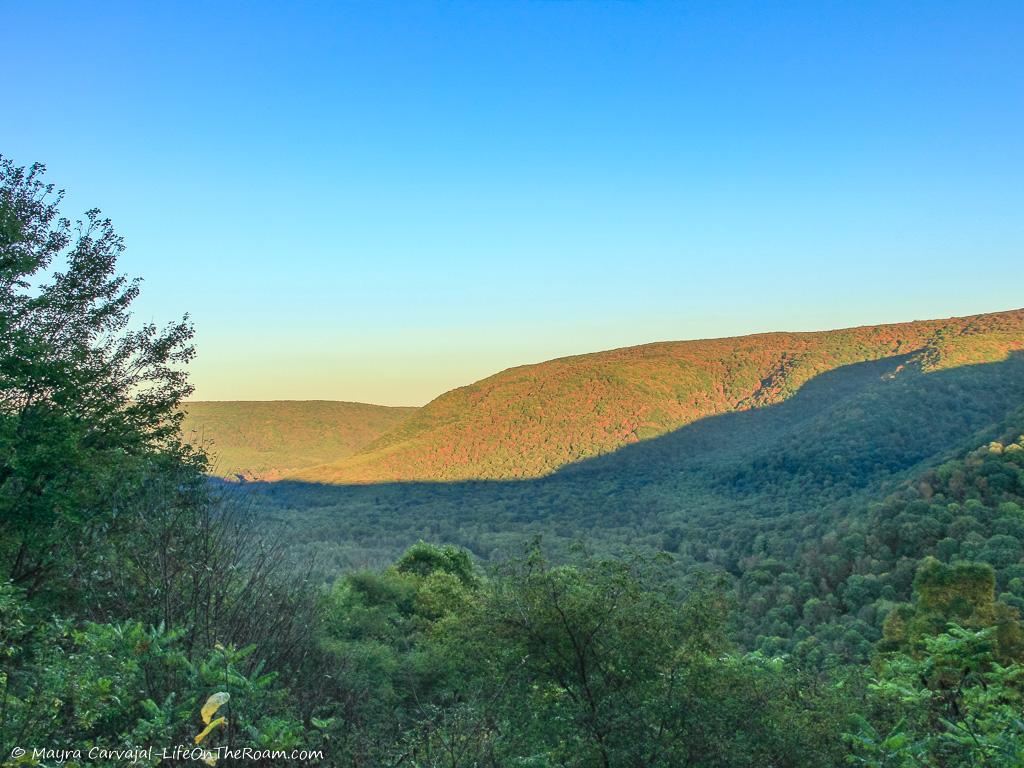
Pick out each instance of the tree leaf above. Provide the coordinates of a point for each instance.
(215, 702)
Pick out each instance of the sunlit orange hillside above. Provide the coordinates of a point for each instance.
(531, 420)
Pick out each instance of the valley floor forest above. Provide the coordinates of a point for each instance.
(780, 551)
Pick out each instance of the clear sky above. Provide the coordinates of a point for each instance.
(379, 201)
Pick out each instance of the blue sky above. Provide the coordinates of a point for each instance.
(380, 201)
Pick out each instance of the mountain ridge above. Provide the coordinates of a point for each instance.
(531, 420)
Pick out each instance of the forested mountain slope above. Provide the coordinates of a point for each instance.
(270, 438)
(756, 482)
(818, 509)
(532, 420)
(839, 593)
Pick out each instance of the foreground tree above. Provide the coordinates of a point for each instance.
(950, 683)
(954, 705)
(88, 402)
(129, 593)
(606, 662)
(602, 662)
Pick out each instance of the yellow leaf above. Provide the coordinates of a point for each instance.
(215, 702)
(206, 731)
(209, 758)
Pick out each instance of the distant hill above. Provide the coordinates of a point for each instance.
(268, 439)
(532, 420)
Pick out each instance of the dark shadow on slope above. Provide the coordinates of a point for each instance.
(738, 433)
(846, 436)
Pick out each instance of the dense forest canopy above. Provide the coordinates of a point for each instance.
(832, 577)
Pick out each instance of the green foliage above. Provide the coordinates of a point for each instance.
(950, 679)
(120, 684)
(953, 705)
(86, 401)
(378, 661)
(122, 574)
(603, 662)
(964, 594)
(426, 560)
